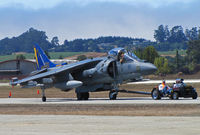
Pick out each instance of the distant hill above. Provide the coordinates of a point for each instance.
(102, 44)
(26, 41)
(166, 40)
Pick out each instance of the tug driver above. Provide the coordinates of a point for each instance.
(164, 88)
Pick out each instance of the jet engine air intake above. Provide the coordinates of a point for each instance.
(89, 73)
(112, 69)
(108, 67)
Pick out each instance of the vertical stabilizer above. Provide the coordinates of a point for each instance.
(41, 58)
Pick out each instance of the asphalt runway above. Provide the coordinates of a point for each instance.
(98, 125)
(135, 100)
(99, 116)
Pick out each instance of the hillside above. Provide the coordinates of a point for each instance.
(174, 39)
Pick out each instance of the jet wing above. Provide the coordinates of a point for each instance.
(57, 70)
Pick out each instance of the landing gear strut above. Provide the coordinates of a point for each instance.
(43, 94)
(113, 93)
(82, 95)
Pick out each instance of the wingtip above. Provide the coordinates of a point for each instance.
(14, 81)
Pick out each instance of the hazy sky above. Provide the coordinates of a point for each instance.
(72, 19)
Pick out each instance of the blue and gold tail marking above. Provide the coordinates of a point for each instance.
(41, 59)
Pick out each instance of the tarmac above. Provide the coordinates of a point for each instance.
(98, 125)
(46, 124)
(135, 100)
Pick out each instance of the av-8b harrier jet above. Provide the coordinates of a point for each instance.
(90, 75)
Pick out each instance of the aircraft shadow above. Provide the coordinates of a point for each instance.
(93, 99)
(107, 99)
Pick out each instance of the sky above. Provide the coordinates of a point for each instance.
(73, 19)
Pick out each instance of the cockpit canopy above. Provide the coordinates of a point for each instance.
(128, 56)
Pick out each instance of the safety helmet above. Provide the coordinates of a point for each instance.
(163, 81)
(178, 80)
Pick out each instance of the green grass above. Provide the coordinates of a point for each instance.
(181, 52)
(56, 55)
(53, 55)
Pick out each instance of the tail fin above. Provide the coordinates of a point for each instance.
(41, 59)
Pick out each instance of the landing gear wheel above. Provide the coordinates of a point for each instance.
(194, 95)
(86, 95)
(82, 96)
(112, 95)
(155, 94)
(170, 97)
(79, 96)
(175, 96)
(44, 99)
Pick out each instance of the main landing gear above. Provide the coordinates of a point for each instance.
(85, 95)
(82, 95)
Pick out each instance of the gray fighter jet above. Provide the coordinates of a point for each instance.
(90, 75)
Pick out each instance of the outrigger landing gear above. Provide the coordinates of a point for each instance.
(43, 94)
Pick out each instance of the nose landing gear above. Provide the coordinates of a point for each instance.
(113, 95)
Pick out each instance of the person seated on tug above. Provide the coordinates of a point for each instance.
(165, 89)
(179, 84)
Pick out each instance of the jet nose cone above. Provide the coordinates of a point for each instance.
(153, 68)
(148, 68)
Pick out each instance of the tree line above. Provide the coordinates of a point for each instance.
(26, 41)
(167, 39)
(174, 38)
(188, 64)
(176, 34)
